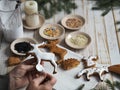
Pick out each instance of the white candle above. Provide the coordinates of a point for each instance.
(31, 10)
(32, 20)
(30, 7)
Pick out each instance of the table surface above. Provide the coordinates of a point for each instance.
(105, 44)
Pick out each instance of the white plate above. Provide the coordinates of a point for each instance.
(59, 27)
(63, 21)
(12, 46)
(42, 20)
(75, 45)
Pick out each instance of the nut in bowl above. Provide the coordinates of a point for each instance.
(21, 46)
(73, 22)
(52, 31)
(78, 40)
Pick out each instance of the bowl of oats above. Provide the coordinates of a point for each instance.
(78, 40)
(52, 31)
(73, 22)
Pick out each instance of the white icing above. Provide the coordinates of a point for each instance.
(43, 55)
(40, 44)
(28, 58)
(90, 61)
(90, 71)
(39, 67)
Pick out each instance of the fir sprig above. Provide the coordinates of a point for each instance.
(110, 84)
(118, 22)
(117, 84)
(81, 87)
(106, 5)
(50, 7)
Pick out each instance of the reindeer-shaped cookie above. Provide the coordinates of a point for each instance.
(43, 56)
(52, 46)
(90, 61)
(94, 70)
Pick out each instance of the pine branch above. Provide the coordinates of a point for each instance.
(106, 5)
(81, 87)
(117, 84)
(118, 22)
(109, 83)
(111, 86)
(50, 7)
(106, 11)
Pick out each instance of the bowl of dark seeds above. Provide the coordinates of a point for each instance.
(22, 46)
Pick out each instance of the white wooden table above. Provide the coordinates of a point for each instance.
(105, 44)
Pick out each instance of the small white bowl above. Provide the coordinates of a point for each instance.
(78, 40)
(55, 27)
(42, 20)
(73, 22)
(12, 46)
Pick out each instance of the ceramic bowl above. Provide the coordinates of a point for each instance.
(78, 40)
(52, 31)
(73, 22)
(12, 46)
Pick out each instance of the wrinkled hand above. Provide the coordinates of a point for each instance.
(19, 76)
(42, 81)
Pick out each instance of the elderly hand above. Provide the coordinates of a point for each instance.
(19, 76)
(42, 81)
(26, 74)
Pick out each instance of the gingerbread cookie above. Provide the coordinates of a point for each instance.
(70, 63)
(92, 71)
(90, 61)
(52, 46)
(39, 55)
(115, 68)
(13, 60)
